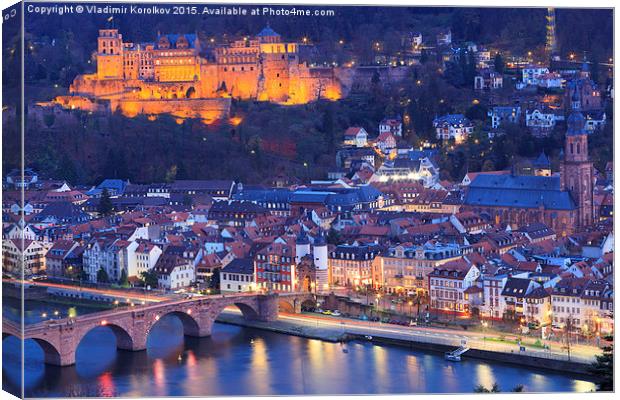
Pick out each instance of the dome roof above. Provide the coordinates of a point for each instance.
(576, 123)
(585, 67)
(267, 31)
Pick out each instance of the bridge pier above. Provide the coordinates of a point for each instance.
(297, 306)
(137, 343)
(203, 330)
(61, 360)
(61, 355)
(267, 308)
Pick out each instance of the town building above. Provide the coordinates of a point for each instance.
(532, 74)
(174, 271)
(404, 269)
(541, 120)
(453, 126)
(237, 276)
(23, 257)
(504, 114)
(355, 136)
(56, 258)
(146, 254)
(351, 265)
(393, 125)
(444, 37)
(488, 80)
(448, 287)
(275, 267)
(406, 169)
(582, 87)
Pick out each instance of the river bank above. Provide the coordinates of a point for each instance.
(483, 351)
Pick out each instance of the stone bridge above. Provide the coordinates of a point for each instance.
(60, 338)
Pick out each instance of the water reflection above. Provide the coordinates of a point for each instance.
(240, 361)
(485, 376)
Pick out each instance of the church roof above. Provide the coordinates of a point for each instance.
(576, 123)
(542, 161)
(518, 191)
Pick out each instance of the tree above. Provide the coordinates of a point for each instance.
(333, 237)
(499, 63)
(124, 281)
(488, 165)
(105, 206)
(214, 280)
(171, 174)
(423, 57)
(482, 389)
(149, 278)
(102, 276)
(603, 368)
(495, 389)
(595, 70)
(477, 111)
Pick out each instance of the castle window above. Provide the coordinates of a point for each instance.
(572, 150)
(578, 148)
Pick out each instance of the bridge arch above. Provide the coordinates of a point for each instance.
(191, 326)
(51, 353)
(287, 305)
(295, 304)
(247, 311)
(124, 339)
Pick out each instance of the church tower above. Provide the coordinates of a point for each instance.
(577, 169)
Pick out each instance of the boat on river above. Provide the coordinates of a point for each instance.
(455, 355)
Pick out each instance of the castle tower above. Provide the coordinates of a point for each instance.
(302, 246)
(320, 262)
(109, 54)
(577, 169)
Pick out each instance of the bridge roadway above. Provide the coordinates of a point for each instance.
(60, 338)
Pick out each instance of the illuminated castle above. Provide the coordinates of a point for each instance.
(162, 77)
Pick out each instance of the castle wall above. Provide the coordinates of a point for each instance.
(240, 83)
(89, 85)
(208, 110)
(177, 73)
(362, 76)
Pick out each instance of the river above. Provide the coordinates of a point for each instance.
(244, 361)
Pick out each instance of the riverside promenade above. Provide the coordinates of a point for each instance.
(483, 346)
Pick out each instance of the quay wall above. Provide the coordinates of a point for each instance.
(426, 343)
